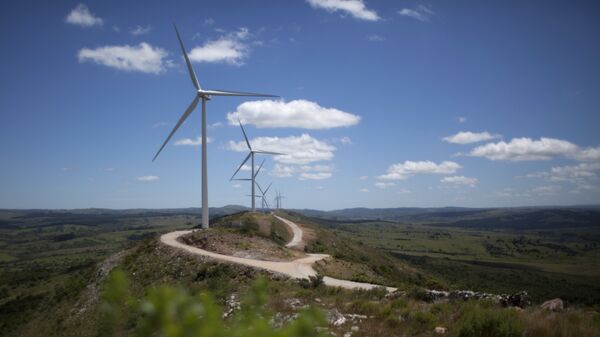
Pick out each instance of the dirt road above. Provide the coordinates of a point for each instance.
(300, 268)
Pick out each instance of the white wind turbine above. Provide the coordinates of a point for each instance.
(263, 196)
(251, 156)
(204, 95)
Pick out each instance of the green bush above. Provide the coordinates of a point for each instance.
(168, 311)
(482, 322)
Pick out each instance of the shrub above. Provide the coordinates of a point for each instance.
(481, 322)
(173, 312)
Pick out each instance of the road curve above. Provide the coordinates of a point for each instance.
(298, 269)
(297, 238)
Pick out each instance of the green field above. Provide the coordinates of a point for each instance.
(554, 262)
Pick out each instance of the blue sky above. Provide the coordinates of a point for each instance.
(384, 103)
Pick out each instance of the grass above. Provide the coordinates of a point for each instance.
(561, 262)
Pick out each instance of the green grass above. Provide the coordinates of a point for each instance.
(561, 262)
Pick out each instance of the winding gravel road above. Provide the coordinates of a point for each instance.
(300, 268)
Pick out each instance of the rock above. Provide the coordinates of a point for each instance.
(336, 318)
(395, 294)
(520, 299)
(440, 330)
(294, 303)
(354, 328)
(553, 305)
(348, 334)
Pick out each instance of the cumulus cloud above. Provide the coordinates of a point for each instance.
(363, 177)
(230, 49)
(467, 137)
(139, 30)
(82, 16)
(571, 173)
(521, 149)
(192, 141)
(148, 178)
(143, 57)
(462, 119)
(294, 114)
(409, 168)
(302, 149)
(356, 8)
(304, 172)
(460, 181)
(364, 190)
(383, 185)
(421, 13)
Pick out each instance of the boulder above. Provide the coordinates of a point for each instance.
(553, 305)
(440, 330)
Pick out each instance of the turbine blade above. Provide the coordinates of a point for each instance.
(235, 93)
(187, 61)
(261, 165)
(260, 189)
(267, 190)
(247, 179)
(242, 164)
(245, 137)
(181, 120)
(269, 152)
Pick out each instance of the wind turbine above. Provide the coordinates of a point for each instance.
(263, 196)
(278, 198)
(204, 95)
(251, 156)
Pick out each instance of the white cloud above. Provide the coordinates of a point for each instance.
(589, 154)
(209, 21)
(460, 181)
(545, 190)
(231, 49)
(346, 140)
(574, 173)
(143, 57)
(305, 172)
(302, 149)
(139, 30)
(420, 13)
(283, 171)
(314, 175)
(410, 168)
(364, 177)
(148, 178)
(375, 38)
(191, 141)
(364, 190)
(356, 8)
(82, 16)
(383, 185)
(403, 191)
(236, 185)
(520, 149)
(294, 114)
(467, 137)
(462, 119)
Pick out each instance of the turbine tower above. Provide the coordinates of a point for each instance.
(204, 95)
(250, 156)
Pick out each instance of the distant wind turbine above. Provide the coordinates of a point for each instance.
(263, 195)
(204, 95)
(251, 156)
